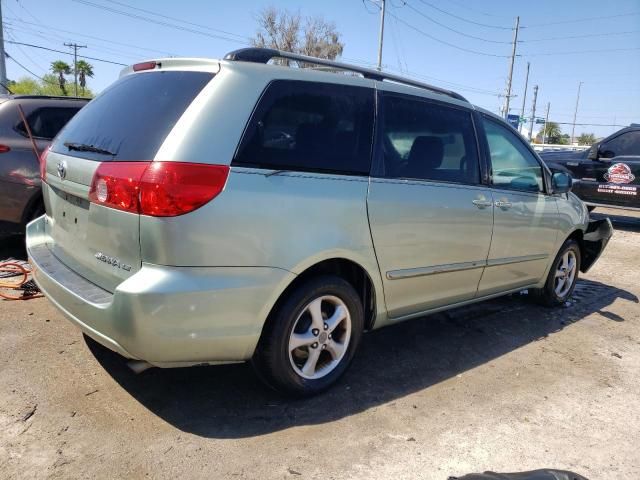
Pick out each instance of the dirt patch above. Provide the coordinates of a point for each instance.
(503, 385)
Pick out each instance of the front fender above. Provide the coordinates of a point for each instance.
(595, 239)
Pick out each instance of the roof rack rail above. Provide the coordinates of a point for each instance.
(263, 55)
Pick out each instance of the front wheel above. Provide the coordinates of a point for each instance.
(562, 277)
(309, 341)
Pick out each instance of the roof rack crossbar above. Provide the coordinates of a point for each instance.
(263, 55)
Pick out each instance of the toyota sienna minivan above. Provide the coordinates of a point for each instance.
(214, 211)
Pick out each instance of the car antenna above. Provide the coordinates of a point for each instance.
(26, 126)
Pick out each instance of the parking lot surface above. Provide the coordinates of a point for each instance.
(503, 385)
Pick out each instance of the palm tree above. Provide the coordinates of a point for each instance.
(61, 69)
(553, 133)
(84, 70)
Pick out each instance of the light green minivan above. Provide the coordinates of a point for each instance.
(205, 211)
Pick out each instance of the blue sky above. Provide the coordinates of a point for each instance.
(461, 44)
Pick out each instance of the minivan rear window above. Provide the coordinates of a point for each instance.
(132, 117)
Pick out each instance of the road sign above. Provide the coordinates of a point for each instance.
(539, 120)
(514, 120)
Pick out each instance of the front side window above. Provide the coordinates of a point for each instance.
(310, 126)
(427, 141)
(625, 144)
(513, 165)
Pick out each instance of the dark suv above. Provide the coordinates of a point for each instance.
(20, 195)
(608, 173)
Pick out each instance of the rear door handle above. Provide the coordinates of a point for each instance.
(502, 204)
(482, 203)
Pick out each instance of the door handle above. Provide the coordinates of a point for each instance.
(502, 204)
(482, 203)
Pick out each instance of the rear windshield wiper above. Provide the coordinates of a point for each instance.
(83, 147)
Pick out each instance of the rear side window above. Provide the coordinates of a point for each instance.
(46, 122)
(310, 126)
(428, 141)
(133, 116)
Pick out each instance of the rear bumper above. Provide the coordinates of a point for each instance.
(595, 240)
(167, 316)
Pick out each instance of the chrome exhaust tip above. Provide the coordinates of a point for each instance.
(138, 366)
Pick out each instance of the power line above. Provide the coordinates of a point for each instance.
(578, 20)
(11, 37)
(422, 14)
(588, 35)
(591, 124)
(364, 3)
(398, 36)
(43, 35)
(460, 4)
(244, 39)
(578, 52)
(464, 19)
(136, 47)
(158, 22)
(65, 53)
(29, 71)
(32, 16)
(432, 37)
(447, 83)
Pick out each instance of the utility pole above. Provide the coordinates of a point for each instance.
(381, 34)
(575, 114)
(513, 59)
(533, 111)
(546, 120)
(75, 47)
(3, 69)
(524, 96)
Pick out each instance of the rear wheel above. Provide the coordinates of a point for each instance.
(309, 341)
(562, 277)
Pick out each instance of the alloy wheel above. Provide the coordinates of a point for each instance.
(320, 337)
(565, 274)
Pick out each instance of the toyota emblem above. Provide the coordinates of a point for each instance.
(62, 169)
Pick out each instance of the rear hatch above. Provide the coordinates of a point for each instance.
(122, 128)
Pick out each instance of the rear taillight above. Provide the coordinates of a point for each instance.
(5, 148)
(43, 164)
(158, 189)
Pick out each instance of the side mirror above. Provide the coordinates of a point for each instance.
(561, 182)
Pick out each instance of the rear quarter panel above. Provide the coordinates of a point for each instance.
(290, 221)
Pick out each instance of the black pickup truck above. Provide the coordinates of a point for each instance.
(608, 173)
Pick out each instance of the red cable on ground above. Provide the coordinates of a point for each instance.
(18, 271)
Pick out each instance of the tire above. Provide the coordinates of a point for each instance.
(555, 293)
(328, 345)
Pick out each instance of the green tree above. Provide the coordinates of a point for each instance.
(84, 70)
(61, 69)
(47, 85)
(586, 139)
(553, 133)
(290, 32)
